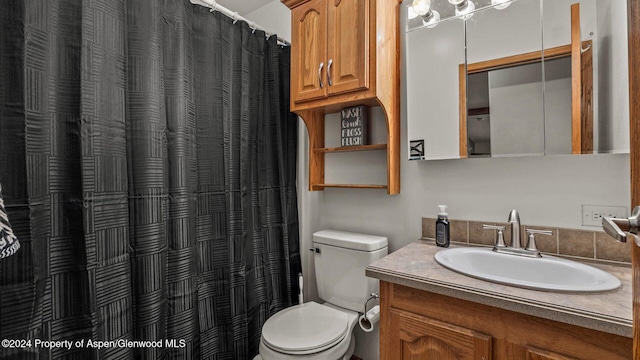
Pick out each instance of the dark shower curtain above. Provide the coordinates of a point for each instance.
(147, 161)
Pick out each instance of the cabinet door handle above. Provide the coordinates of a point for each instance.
(329, 72)
(320, 75)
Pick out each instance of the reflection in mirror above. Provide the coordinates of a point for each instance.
(428, 13)
(506, 46)
(432, 80)
(602, 28)
(487, 112)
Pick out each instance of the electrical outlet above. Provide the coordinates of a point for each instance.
(592, 214)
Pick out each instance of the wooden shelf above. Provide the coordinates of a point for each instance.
(352, 148)
(351, 186)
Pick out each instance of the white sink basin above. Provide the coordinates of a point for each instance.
(547, 273)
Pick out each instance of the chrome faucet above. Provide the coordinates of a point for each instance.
(516, 245)
(514, 220)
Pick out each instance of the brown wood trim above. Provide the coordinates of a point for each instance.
(636, 276)
(314, 120)
(353, 148)
(520, 59)
(387, 54)
(633, 23)
(633, 13)
(586, 98)
(576, 81)
(386, 294)
(293, 3)
(462, 79)
(351, 186)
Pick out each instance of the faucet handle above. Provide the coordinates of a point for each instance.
(500, 237)
(531, 244)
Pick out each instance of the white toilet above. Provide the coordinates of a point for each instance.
(313, 331)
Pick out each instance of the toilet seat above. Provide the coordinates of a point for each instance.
(305, 329)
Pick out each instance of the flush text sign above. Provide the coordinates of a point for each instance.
(353, 127)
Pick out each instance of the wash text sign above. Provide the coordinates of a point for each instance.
(353, 127)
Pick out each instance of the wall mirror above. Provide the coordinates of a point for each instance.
(497, 78)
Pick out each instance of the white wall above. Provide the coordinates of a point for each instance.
(546, 190)
(274, 17)
(613, 75)
(557, 104)
(515, 97)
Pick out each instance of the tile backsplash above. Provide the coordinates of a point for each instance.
(585, 244)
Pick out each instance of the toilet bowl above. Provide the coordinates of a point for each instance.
(313, 331)
(310, 331)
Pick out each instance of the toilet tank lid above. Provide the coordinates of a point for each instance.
(350, 240)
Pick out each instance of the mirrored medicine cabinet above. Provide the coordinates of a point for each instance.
(497, 78)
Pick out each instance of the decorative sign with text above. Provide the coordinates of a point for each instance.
(353, 127)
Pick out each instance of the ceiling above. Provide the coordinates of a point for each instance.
(243, 7)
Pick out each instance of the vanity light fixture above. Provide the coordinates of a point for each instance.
(430, 17)
(500, 4)
(464, 8)
(411, 14)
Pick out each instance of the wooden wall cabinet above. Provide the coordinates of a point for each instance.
(346, 53)
(331, 48)
(416, 325)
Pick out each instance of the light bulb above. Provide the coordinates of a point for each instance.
(501, 4)
(431, 21)
(411, 14)
(421, 7)
(465, 8)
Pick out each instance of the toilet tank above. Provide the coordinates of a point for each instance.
(340, 260)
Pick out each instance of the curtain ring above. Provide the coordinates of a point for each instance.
(214, 6)
(235, 17)
(252, 26)
(267, 35)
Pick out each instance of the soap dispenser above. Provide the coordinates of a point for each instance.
(442, 227)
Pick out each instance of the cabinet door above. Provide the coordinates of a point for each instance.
(308, 58)
(415, 337)
(348, 46)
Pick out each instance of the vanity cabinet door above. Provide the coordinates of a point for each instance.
(415, 337)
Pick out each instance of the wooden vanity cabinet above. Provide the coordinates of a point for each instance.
(416, 325)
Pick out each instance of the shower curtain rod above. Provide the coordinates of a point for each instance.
(234, 15)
